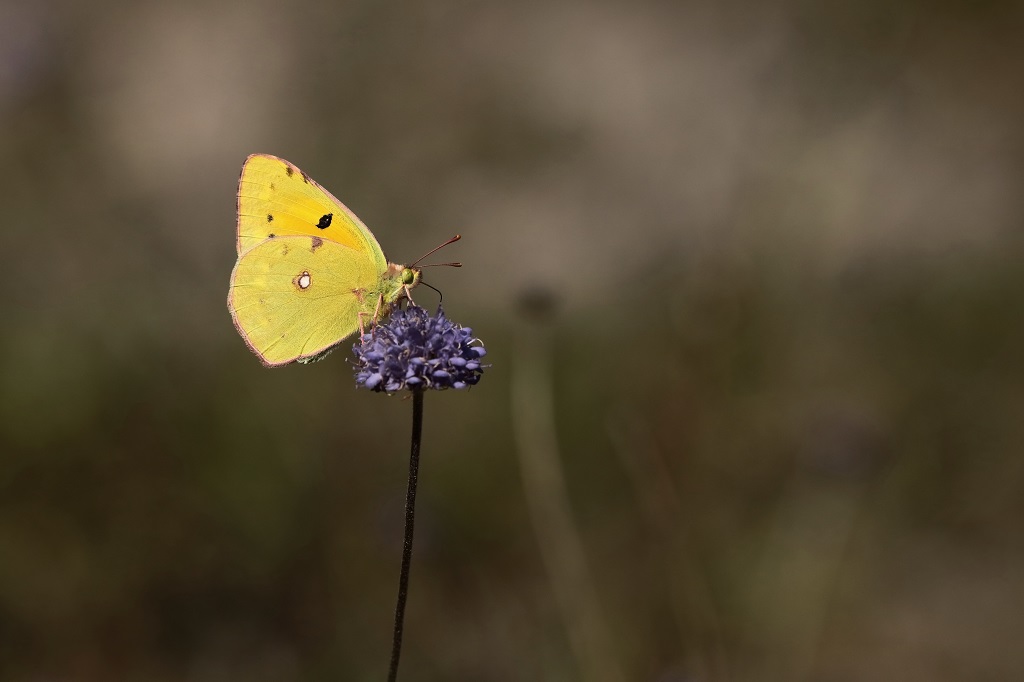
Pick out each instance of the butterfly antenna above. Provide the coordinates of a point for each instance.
(434, 265)
(439, 294)
(450, 241)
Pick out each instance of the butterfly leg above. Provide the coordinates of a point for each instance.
(376, 310)
(362, 328)
(373, 320)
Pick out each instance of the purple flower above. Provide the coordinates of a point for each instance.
(414, 350)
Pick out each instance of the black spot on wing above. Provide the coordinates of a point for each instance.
(305, 178)
(272, 187)
(288, 170)
(271, 235)
(270, 218)
(325, 221)
(316, 244)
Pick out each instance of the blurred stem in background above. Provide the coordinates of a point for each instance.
(561, 548)
(688, 587)
(798, 574)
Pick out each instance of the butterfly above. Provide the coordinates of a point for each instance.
(309, 272)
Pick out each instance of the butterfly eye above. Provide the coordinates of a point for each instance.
(408, 276)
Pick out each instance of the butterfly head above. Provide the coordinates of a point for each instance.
(410, 277)
(400, 280)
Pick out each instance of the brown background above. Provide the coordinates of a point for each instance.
(765, 258)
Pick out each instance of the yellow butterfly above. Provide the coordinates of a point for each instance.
(309, 273)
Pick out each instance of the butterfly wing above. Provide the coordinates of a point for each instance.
(293, 298)
(276, 199)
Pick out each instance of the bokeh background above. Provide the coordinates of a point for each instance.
(751, 279)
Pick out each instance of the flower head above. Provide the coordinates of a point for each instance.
(413, 349)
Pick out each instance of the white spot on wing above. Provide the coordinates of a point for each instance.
(303, 281)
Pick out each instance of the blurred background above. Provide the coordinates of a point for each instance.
(750, 276)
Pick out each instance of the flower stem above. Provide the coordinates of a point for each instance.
(410, 514)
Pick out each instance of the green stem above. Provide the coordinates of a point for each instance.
(410, 514)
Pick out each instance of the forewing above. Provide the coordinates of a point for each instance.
(276, 199)
(292, 298)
